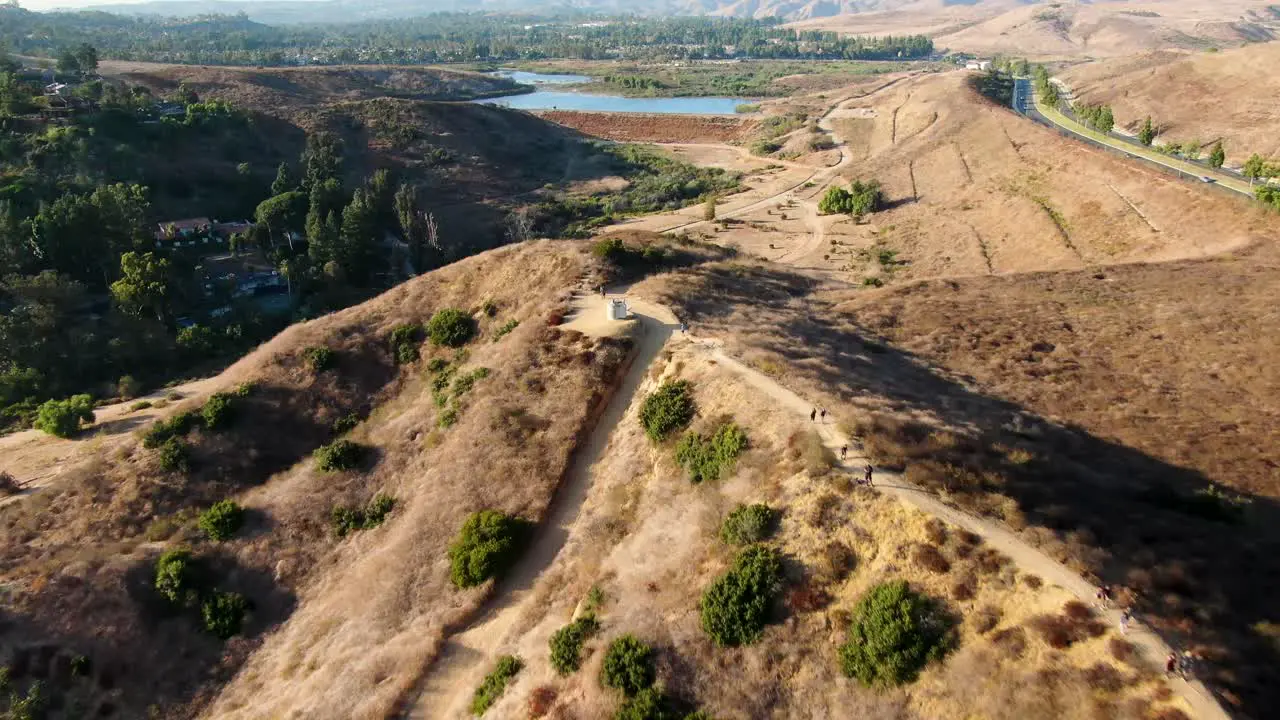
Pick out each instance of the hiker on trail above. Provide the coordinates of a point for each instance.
(824, 414)
(844, 451)
(813, 414)
(602, 291)
(1104, 596)
(684, 327)
(1171, 664)
(1125, 617)
(868, 471)
(1185, 663)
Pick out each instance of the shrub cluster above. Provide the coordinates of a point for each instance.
(218, 411)
(346, 423)
(339, 455)
(736, 607)
(319, 358)
(346, 520)
(164, 430)
(182, 582)
(493, 685)
(405, 340)
(506, 328)
(628, 665)
(486, 545)
(894, 633)
(860, 199)
(708, 459)
(174, 456)
(222, 520)
(667, 409)
(451, 327)
(62, 418)
(748, 524)
(566, 643)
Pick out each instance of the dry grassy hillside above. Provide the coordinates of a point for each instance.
(282, 91)
(838, 541)
(1228, 96)
(1123, 419)
(339, 627)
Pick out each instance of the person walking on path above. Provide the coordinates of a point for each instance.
(1125, 617)
(813, 414)
(602, 291)
(1171, 664)
(1104, 596)
(844, 451)
(868, 476)
(824, 414)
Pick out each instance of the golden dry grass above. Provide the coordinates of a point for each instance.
(838, 543)
(341, 628)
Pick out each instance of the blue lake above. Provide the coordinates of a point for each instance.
(546, 99)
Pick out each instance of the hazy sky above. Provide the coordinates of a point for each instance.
(52, 4)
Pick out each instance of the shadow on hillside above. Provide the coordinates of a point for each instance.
(1206, 570)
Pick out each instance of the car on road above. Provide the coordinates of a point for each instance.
(1206, 179)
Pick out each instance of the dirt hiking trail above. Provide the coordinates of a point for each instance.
(1026, 557)
(467, 656)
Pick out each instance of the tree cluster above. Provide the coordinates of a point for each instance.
(1098, 117)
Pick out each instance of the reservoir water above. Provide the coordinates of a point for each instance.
(545, 98)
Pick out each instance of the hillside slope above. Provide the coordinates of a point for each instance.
(78, 556)
(1226, 96)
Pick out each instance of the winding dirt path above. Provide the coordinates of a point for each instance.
(467, 656)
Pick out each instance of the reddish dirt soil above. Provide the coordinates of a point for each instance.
(635, 127)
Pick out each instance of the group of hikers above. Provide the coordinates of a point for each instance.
(868, 471)
(1179, 664)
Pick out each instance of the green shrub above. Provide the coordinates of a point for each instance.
(489, 308)
(437, 365)
(487, 544)
(346, 520)
(709, 459)
(218, 411)
(129, 387)
(894, 633)
(648, 704)
(859, 199)
(748, 524)
(141, 405)
(566, 644)
(222, 519)
(319, 358)
(505, 329)
(223, 613)
(449, 417)
(32, 706)
(164, 430)
(346, 423)
(736, 607)
(610, 248)
(244, 389)
(667, 409)
(62, 418)
(495, 683)
(177, 578)
(628, 665)
(451, 327)
(404, 342)
(174, 456)
(339, 455)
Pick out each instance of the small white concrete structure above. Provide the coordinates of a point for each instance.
(617, 309)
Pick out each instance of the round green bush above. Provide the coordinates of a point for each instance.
(736, 607)
(319, 358)
(62, 418)
(748, 524)
(222, 520)
(628, 665)
(218, 411)
(339, 455)
(174, 456)
(648, 704)
(667, 409)
(566, 644)
(223, 613)
(176, 578)
(710, 459)
(486, 545)
(451, 327)
(894, 634)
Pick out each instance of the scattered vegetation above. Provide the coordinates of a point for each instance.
(222, 520)
(736, 607)
(346, 423)
(505, 329)
(1098, 117)
(176, 426)
(485, 547)
(628, 665)
(339, 455)
(405, 340)
(177, 578)
(319, 358)
(667, 409)
(894, 634)
(218, 411)
(710, 458)
(495, 683)
(451, 327)
(748, 524)
(174, 456)
(345, 520)
(62, 418)
(223, 613)
(566, 643)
